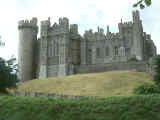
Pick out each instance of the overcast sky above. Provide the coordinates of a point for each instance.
(88, 14)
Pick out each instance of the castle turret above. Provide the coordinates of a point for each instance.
(108, 29)
(74, 28)
(45, 25)
(137, 36)
(28, 30)
(65, 56)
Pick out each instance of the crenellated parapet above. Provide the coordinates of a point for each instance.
(89, 35)
(136, 16)
(61, 27)
(148, 37)
(125, 24)
(57, 28)
(93, 36)
(45, 23)
(74, 29)
(113, 36)
(64, 22)
(28, 24)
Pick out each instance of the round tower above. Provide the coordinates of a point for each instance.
(28, 30)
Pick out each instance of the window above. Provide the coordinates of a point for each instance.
(116, 51)
(98, 52)
(107, 51)
(122, 51)
(49, 51)
(89, 56)
(127, 51)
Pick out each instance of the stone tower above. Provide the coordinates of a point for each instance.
(43, 48)
(137, 36)
(28, 30)
(55, 55)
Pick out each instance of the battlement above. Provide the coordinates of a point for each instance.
(45, 22)
(125, 24)
(74, 28)
(89, 35)
(63, 21)
(148, 37)
(113, 35)
(57, 28)
(88, 32)
(28, 23)
(136, 16)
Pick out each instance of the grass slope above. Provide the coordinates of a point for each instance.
(94, 84)
(112, 108)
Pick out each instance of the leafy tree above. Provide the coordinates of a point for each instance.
(157, 70)
(1, 42)
(8, 77)
(143, 3)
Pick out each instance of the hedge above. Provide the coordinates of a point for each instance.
(111, 108)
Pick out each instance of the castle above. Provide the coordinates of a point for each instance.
(61, 50)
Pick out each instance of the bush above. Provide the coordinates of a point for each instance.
(134, 59)
(157, 70)
(143, 107)
(8, 77)
(146, 88)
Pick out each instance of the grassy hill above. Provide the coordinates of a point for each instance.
(93, 84)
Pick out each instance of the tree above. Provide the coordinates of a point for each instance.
(8, 74)
(1, 42)
(157, 70)
(143, 3)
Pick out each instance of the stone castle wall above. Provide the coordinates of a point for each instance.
(137, 66)
(61, 50)
(50, 95)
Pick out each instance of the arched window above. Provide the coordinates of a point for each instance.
(116, 51)
(122, 51)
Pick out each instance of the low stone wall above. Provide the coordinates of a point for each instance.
(53, 95)
(138, 66)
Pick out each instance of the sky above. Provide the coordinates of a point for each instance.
(88, 14)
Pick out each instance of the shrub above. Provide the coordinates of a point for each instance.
(157, 70)
(133, 59)
(8, 77)
(146, 88)
(143, 107)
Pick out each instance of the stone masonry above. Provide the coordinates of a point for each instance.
(61, 50)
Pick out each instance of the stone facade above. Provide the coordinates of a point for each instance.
(61, 50)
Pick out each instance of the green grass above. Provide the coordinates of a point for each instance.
(95, 84)
(111, 108)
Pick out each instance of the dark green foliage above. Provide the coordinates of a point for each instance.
(8, 77)
(143, 3)
(146, 88)
(112, 108)
(134, 59)
(157, 70)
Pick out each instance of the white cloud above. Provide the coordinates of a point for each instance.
(86, 13)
